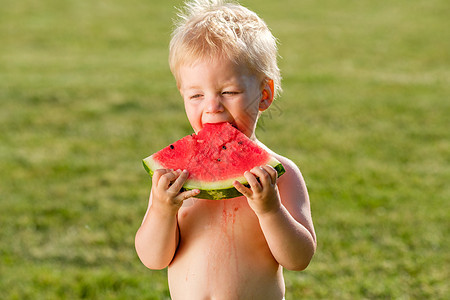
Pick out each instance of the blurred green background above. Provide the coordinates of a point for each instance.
(86, 93)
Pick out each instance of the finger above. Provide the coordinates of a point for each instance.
(252, 181)
(188, 194)
(166, 179)
(158, 173)
(263, 176)
(157, 176)
(272, 172)
(178, 183)
(242, 189)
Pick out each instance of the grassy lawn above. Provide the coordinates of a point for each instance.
(86, 93)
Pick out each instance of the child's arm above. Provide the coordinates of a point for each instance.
(286, 223)
(157, 239)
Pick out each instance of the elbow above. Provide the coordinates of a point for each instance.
(153, 265)
(303, 260)
(298, 265)
(150, 261)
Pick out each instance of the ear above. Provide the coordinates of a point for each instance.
(267, 95)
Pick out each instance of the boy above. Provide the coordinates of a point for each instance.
(224, 60)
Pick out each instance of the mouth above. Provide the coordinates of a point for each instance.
(231, 123)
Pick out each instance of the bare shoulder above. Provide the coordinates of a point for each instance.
(291, 185)
(292, 181)
(293, 192)
(291, 168)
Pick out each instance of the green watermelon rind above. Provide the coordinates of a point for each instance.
(216, 190)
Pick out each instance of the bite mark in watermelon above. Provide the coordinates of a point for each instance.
(215, 157)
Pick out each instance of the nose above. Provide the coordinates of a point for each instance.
(214, 104)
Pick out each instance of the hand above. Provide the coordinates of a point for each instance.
(166, 186)
(262, 196)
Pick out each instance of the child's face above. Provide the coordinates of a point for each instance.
(221, 91)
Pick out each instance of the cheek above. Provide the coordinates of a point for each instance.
(248, 108)
(193, 107)
(194, 115)
(190, 107)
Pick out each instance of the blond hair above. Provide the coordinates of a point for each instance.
(208, 29)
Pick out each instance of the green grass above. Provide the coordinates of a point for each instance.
(85, 94)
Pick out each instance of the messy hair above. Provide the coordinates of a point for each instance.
(208, 29)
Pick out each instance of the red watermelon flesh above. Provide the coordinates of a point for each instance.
(215, 157)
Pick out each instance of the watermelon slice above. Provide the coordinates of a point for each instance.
(215, 157)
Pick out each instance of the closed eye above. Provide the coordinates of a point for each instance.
(230, 93)
(196, 96)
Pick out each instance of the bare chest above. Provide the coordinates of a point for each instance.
(230, 223)
(223, 249)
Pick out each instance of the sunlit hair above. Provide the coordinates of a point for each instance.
(208, 29)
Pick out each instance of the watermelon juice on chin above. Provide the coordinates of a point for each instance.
(215, 157)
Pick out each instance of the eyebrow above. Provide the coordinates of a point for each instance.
(194, 87)
(233, 83)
